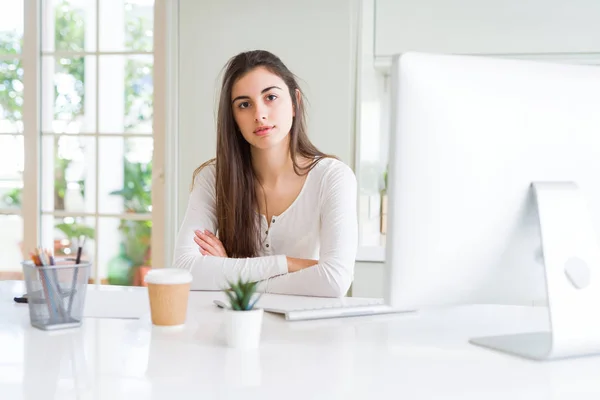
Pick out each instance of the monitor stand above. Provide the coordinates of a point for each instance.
(572, 270)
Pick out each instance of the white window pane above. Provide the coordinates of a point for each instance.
(126, 90)
(371, 191)
(11, 26)
(126, 25)
(11, 255)
(68, 173)
(123, 250)
(372, 220)
(11, 95)
(11, 171)
(125, 180)
(372, 165)
(68, 88)
(68, 25)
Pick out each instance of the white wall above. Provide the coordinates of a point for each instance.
(369, 279)
(316, 39)
(487, 26)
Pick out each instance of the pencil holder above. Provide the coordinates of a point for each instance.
(56, 294)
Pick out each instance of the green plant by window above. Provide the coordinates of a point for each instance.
(137, 198)
(136, 193)
(385, 180)
(13, 198)
(75, 230)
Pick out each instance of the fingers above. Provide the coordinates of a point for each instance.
(214, 239)
(205, 248)
(209, 238)
(210, 243)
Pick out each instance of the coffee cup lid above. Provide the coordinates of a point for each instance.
(168, 276)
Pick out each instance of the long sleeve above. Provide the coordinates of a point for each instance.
(212, 273)
(334, 273)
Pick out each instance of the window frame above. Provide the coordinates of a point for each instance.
(164, 120)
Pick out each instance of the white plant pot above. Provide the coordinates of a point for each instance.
(242, 328)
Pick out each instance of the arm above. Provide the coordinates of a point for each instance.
(212, 273)
(210, 245)
(334, 272)
(297, 264)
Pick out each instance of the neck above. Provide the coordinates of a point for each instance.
(273, 164)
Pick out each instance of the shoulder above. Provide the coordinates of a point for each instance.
(334, 169)
(205, 175)
(335, 176)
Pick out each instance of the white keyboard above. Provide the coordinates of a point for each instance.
(298, 308)
(334, 312)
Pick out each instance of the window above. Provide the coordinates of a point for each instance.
(11, 136)
(96, 120)
(95, 133)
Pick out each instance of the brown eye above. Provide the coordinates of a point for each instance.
(271, 97)
(243, 104)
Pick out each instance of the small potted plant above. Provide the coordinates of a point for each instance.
(242, 321)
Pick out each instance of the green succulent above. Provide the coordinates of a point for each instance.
(242, 295)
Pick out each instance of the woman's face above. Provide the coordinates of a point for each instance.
(262, 108)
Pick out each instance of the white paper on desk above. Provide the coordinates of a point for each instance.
(123, 304)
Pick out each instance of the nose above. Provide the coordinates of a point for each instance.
(260, 114)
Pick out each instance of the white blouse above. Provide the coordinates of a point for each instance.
(321, 224)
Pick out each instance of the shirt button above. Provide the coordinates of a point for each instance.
(273, 220)
(266, 232)
(267, 244)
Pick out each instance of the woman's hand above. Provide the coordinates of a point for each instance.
(210, 245)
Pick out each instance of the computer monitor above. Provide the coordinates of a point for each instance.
(494, 192)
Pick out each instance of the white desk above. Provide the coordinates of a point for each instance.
(418, 356)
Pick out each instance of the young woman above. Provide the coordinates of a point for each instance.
(270, 207)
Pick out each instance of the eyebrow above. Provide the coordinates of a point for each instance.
(262, 91)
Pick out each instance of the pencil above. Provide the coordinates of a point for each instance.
(75, 273)
(38, 263)
(59, 298)
(80, 249)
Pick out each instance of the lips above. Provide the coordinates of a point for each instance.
(263, 130)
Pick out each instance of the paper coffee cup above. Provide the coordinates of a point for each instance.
(168, 290)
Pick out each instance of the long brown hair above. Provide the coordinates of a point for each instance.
(237, 207)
